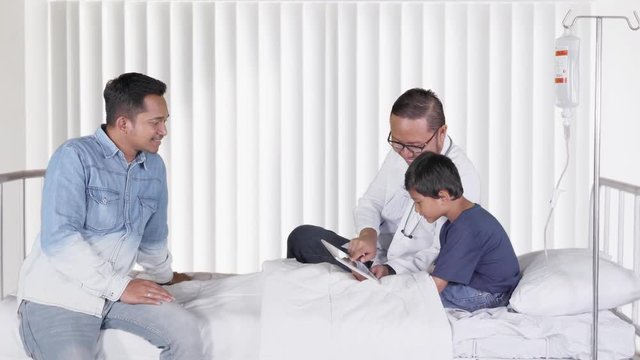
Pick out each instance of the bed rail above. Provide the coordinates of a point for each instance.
(617, 198)
(20, 176)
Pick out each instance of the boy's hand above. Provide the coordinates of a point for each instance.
(440, 283)
(380, 271)
(363, 248)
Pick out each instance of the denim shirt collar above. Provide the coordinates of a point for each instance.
(110, 149)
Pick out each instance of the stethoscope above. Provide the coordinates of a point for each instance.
(413, 207)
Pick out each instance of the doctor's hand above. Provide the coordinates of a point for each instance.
(140, 291)
(363, 248)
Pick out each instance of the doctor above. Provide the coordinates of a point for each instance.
(390, 233)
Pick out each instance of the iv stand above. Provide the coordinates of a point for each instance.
(596, 162)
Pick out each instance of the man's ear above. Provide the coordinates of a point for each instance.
(122, 124)
(443, 132)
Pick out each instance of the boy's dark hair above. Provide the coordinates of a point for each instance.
(430, 172)
(419, 103)
(125, 95)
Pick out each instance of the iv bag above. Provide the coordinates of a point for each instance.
(567, 72)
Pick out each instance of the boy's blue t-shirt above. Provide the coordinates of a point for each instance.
(476, 251)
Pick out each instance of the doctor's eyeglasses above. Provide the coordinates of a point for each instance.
(414, 149)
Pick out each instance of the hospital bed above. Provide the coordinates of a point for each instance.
(295, 311)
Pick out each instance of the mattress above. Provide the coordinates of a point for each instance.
(289, 309)
(504, 334)
(294, 306)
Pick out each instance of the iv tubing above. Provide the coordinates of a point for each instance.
(556, 191)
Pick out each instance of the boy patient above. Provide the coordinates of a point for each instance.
(477, 267)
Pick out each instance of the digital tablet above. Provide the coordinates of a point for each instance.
(344, 259)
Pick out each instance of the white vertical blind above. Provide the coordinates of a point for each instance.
(390, 70)
(346, 73)
(291, 110)
(247, 139)
(367, 137)
(135, 35)
(478, 121)
(541, 130)
(312, 97)
(279, 110)
(182, 131)
(331, 124)
(269, 240)
(500, 122)
(521, 121)
(203, 137)
(90, 65)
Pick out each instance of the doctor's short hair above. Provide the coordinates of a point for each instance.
(418, 103)
(124, 95)
(430, 173)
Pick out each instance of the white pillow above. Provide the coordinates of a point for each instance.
(562, 284)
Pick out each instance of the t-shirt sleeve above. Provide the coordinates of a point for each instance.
(459, 255)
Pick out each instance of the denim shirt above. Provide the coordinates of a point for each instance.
(100, 216)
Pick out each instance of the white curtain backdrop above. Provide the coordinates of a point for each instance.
(279, 109)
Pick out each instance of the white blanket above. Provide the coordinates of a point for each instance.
(294, 311)
(320, 312)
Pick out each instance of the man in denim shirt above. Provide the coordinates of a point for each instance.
(104, 209)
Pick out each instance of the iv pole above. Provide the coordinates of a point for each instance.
(596, 162)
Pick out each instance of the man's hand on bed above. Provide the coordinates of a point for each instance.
(178, 277)
(140, 291)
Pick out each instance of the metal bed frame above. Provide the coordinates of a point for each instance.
(21, 176)
(610, 188)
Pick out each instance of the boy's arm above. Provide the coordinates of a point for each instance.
(440, 283)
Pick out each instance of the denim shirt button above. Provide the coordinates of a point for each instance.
(104, 200)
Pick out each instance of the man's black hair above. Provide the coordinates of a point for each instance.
(419, 103)
(124, 95)
(430, 173)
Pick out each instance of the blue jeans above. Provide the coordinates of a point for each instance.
(464, 297)
(51, 332)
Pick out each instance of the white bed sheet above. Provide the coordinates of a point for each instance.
(293, 311)
(502, 334)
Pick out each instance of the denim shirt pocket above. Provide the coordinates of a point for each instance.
(148, 207)
(102, 208)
